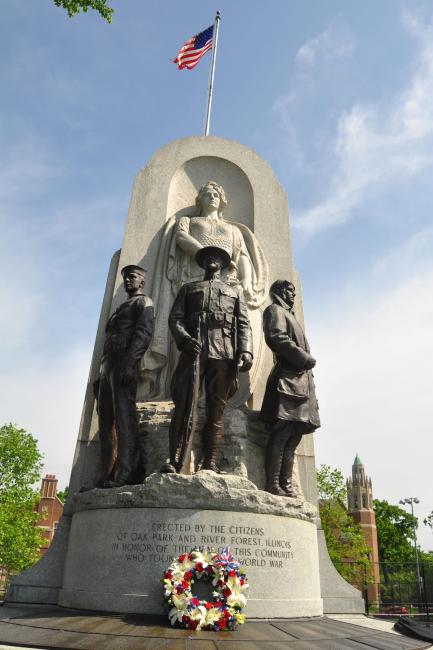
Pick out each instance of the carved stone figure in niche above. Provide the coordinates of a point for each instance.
(181, 240)
(209, 323)
(128, 334)
(289, 404)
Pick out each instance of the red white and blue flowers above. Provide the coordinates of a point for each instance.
(228, 579)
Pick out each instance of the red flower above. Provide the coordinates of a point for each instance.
(209, 605)
(226, 614)
(232, 574)
(195, 602)
(168, 575)
(226, 592)
(242, 581)
(192, 625)
(185, 619)
(181, 558)
(185, 584)
(218, 604)
(222, 624)
(179, 589)
(190, 556)
(199, 566)
(188, 575)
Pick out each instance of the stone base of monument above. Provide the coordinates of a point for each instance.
(123, 539)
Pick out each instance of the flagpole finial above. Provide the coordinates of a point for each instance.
(218, 15)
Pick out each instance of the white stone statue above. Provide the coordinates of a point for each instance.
(181, 239)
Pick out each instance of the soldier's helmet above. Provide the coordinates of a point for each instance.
(222, 247)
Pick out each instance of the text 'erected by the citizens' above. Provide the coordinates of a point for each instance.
(160, 542)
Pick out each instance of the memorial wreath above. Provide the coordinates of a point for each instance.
(229, 580)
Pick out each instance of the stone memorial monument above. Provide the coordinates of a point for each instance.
(113, 544)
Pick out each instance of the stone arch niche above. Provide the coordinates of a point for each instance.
(194, 173)
(183, 189)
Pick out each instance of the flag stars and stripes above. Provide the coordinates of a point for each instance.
(194, 49)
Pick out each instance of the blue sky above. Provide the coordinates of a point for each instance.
(336, 96)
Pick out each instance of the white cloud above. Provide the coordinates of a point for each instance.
(379, 144)
(334, 42)
(374, 388)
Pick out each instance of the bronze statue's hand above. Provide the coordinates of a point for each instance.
(245, 361)
(310, 363)
(192, 347)
(127, 373)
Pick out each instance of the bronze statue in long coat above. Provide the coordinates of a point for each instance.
(289, 404)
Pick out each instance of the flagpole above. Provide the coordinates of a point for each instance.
(212, 72)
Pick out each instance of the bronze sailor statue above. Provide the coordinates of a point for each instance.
(128, 334)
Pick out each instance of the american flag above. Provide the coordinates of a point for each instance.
(196, 47)
(226, 560)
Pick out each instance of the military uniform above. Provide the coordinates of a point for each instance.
(289, 403)
(290, 393)
(128, 334)
(215, 314)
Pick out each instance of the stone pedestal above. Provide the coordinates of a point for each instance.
(123, 539)
(243, 451)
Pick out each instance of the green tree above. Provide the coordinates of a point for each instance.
(74, 7)
(428, 521)
(20, 468)
(394, 533)
(346, 544)
(63, 494)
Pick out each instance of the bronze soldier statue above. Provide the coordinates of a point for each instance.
(289, 404)
(209, 323)
(128, 334)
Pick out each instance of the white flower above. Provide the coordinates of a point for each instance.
(234, 583)
(202, 557)
(175, 615)
(212, 615)
(180, 601)
(198, 614)
(236, 599)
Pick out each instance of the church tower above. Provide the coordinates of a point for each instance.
(360, 506)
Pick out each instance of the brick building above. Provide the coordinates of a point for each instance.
(50, 508)
(360, 506)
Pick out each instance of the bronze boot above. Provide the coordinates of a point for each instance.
(212, 442)
(287, 481)
(274, 457)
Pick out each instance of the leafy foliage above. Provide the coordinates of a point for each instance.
(63, 494)
(394, 533)
(74, 7)
(331, 484)
(428, 521)
(20, 467)
(346, 544)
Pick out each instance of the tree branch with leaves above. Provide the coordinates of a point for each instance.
(73, 7)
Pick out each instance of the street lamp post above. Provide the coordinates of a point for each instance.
(410, 501)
